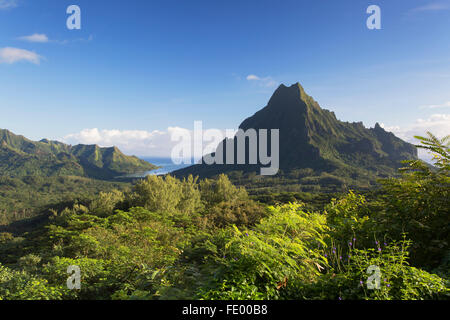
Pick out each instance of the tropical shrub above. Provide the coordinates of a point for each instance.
(350, 277)
(256, 264)
(20, 285)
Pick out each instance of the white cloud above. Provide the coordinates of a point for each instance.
(7, 4)
(253, 77)
(137, 142)
(11, 55)
(158, 143)
(37, 37)
(435, 106)
(437, 124)
(264, 82)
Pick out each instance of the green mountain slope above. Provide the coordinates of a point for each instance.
(22, 157)
(316, 147)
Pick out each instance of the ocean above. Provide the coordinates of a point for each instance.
(166, 164)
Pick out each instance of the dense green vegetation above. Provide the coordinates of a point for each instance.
(208, 239)
(29, 196)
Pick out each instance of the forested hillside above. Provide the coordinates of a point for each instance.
(168, 238)
(35, 176)
(21, 157)
(29, 196)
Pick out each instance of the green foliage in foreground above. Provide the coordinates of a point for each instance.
(26, 197)
(347, 277)
(189, 239)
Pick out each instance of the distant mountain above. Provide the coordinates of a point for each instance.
(21, 157)
(316, 147)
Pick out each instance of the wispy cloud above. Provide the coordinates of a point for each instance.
(12, 55)
(438, 124)
(43, 38)
(88, 39)
(435, 6)
(262, 81)
(7, 4)
(437, 106)
(253, 77)
(37, 37)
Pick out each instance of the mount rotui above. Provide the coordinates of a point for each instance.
(315, 147)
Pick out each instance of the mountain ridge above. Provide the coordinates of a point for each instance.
(20, 156)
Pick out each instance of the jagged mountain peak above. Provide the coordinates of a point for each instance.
(293, 96)
(313, 138)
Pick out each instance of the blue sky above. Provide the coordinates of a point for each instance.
(137, 68)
